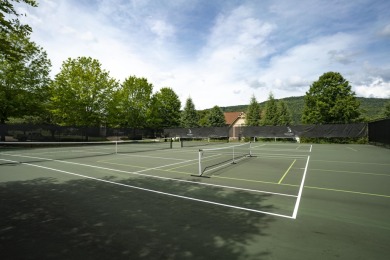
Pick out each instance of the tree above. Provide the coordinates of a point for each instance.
(284, 114)
(202, 115)
(189, 116)
(131, 103)
(386, 110)
(253, 113)
(271, 111)
(12, 26)
(215, 117)
(24, 81)
(330, 100)
(81, 92)
(167, 108)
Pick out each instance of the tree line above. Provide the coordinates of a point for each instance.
(84, 94)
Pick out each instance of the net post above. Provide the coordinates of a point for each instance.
(233, 162)
(200, 172)
(116, 147)
(200, 162)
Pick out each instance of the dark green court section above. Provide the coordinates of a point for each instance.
(148, 206)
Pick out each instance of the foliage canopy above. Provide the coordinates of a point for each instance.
(12, 26)
(215, 117)
(330, 100)
(166, 109)
(81, 92)
(23, 81)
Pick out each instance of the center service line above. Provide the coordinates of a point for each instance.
(289, 168)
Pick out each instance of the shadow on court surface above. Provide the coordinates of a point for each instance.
(86, 219)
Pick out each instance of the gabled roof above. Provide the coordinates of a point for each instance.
(231, 117)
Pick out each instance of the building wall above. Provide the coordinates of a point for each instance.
(235, 132)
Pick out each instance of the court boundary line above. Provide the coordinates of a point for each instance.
(349, 162)
(353, 172)
(295, 213)
(160, 192)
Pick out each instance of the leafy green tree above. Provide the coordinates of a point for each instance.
(24, 81)
(166, 109)
(202, 115)
(215, 117)
(253, 113)
(189, 116)
(271, 111)
(131, 104)
(10, 25)
(81, 92)
(386, 110)
(284, 114)
(330, 100)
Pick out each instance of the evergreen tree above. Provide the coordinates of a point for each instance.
(330, 100)
(284, 114)
(271, 111)
(215, 117)
(189, 116)
(253, 113)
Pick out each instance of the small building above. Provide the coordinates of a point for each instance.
(235, 120)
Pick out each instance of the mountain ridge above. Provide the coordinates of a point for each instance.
(370, 108)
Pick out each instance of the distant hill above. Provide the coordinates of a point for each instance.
(370, 108)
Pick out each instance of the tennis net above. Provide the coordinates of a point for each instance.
(216, 158)
(24, 152)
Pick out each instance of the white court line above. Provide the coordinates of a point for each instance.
(280, 150)
(286, 156)
(148, 156)
(350, 148)
(257, 145)
(160, 177)
(9, 161)
(162, 193)
(294, 216)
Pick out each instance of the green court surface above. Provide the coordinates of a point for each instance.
(285, 201)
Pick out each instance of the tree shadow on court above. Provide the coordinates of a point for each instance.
(87, 219)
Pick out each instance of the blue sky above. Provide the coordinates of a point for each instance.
(221, 52)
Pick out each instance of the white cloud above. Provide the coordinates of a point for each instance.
(340, 56)
(161, 28)
(376, 88)
(298, 67)
(243, 50)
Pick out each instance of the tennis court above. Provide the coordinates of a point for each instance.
(252, 201)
